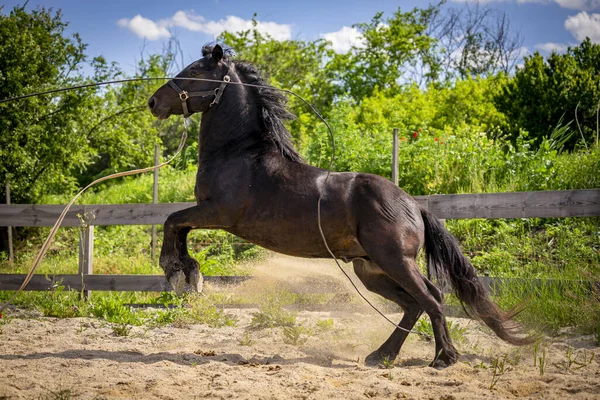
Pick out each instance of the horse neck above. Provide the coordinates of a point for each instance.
(231, 125)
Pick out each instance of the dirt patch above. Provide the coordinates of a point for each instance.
(40, 357)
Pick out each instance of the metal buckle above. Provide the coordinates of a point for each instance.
(183, 96)
(226, 78)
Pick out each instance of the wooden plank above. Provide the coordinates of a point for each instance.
(126, 283)
(11, 256)
(155, 199)
(86, 254)
(103, 214)
(545, 204)
(395, 156)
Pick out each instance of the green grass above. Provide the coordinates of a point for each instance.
(424, 327)
(559, 254)
(272, 314)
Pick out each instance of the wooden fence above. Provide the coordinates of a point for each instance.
(545, 204)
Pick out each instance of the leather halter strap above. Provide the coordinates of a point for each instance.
(185, 95)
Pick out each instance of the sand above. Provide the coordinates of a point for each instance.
(82, 358)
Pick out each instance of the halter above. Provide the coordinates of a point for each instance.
(185, 95)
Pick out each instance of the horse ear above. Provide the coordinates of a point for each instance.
(217, 53)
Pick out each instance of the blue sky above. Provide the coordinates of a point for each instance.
(121, 30)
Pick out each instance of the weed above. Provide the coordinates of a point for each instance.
(293, 334)
(121, 329)
(423, 327)
(111, 308)
(201, 310)
(3, 321)
(272, 313)
(164, 317)
(514, 359)
(536, 349)
(542, 362)
(82, 327)
(60, 303)
(499, 368)
(457, 332)
(387, 363)
(171, 299)
(325, 325)
(60, 394)
(246, 341)
(571, 361)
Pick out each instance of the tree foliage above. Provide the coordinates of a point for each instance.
(39, 138)
(474, 41)
(390, 46)
(64, 141)
(297, 65)
(546, 91)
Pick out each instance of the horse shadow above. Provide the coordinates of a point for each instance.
(185, 359)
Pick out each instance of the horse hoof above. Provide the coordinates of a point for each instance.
(196, 281)
(438, 364)
(444, 360)
(376, 359)
(177, 281)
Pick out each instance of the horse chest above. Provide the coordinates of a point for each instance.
(217, 183)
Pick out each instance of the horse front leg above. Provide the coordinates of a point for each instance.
(179, 267)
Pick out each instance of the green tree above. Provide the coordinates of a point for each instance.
(546, 91)
(120, 130)
(390, 48)
(297, 65)
(39, 141)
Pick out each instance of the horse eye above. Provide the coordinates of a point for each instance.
(195, 72)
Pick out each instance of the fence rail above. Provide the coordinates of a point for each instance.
(545, 204)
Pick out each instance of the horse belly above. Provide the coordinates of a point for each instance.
(301, 237)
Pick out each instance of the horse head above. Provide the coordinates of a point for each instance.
(188, 96)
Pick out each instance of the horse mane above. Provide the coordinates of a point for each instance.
(271, 103)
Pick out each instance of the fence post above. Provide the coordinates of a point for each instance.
(395, 158)
(86, 255)
(155, 199)
(11, 255)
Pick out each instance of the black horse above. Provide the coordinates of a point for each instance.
(252, 183)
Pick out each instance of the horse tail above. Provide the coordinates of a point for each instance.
(443, 251)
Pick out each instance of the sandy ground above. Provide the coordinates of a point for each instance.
(48, 357)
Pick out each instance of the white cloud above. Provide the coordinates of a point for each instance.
(190, 22)
(549, 47)
(584, 5)
(145, 28)
(581, 5)
(504, 1)
(584, 25)
(344, 39)
(154, 30)
(521, 52)
(236, 24)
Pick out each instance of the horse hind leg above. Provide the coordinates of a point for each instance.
(406, 271)
(378, 282)
(397, 259)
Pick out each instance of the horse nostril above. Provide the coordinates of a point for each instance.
(151, 102)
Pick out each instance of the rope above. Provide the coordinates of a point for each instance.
(181, 144)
